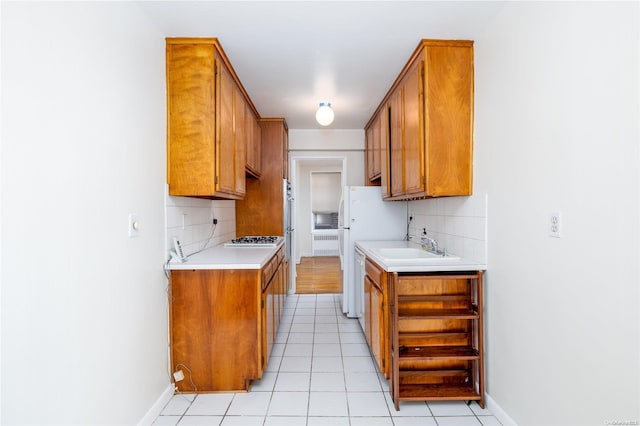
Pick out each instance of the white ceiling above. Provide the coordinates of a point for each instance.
(291, 55)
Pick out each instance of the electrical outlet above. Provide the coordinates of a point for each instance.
(555, 224)
(178, 375)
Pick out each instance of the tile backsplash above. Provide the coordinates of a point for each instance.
(190, 219)
(458, 224)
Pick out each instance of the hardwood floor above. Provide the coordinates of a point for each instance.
(318, 274)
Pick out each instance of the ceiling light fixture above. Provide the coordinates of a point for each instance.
(324, 115)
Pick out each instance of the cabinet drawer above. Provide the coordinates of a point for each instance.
(271, 267)
(375, 272)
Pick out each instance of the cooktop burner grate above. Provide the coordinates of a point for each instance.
(255, 241)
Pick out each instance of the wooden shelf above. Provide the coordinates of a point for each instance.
(437, 337)
(420, 392)
(407, 313)
(463, 353)
(433, 298)
(436, 376)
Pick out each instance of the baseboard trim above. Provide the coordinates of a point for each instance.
(498, 412)
(157, 407)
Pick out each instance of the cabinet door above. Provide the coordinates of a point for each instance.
(253, 142)
(377, 137)
(396, 165)
(368, 288)
(240, 140)
(373, 149)
(385, 179)
(369, 148)
(225, 146)
(190, 126)
(412, 142)
(285, 152)
(268, 324)
(449, 119)
(377, 326)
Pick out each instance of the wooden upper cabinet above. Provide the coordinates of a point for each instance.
(206, 121)
(253, 144)
(231, 146)
(429, 150)
(261, 212)
(368, 155)
(448, 104)
(396, 158)
(413, 141)
(374, 137)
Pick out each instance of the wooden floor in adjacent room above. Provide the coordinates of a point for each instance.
(319, 274)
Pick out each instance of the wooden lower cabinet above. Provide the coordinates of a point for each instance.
(220, 321)
(375, 320)
(436, 337)
(274, 293)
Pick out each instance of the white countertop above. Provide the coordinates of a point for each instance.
(221, 257)
(461, 264)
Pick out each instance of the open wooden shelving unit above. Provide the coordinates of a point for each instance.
(436, 341)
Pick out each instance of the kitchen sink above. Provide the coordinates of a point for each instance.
(411, 255)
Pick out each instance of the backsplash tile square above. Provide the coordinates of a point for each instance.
(190, 220)
(458, 224)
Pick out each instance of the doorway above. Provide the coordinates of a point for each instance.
(317, 186)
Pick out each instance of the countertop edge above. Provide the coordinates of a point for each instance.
(224, 257)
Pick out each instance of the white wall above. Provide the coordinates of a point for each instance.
(190, 220)
(84, 307)
(345, 143)
(556, 129)
(458, 224)
(326, 188)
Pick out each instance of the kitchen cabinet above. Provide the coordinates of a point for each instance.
(208, 111)
(215, 328)
(273, 299)
(375, 289)
(254, 165)
(436, 336)
(375, 138)
(261, 212)
(220, 323)
(429, 149)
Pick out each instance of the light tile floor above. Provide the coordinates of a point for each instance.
(320, 373)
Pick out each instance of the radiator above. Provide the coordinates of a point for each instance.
(325, 244)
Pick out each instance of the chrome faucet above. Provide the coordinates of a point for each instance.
(429, 244)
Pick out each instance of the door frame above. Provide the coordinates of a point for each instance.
(294, 162)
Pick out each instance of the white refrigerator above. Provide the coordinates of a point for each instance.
(363, 216)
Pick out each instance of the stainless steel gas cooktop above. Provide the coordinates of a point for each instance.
(255, 241)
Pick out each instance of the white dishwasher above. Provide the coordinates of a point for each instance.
(358, 280)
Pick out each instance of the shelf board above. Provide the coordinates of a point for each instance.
(444, 377)
(432, 334)
(462, 353)
(436, 313)
(413, 338)
(433, 298)
(413, 392)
